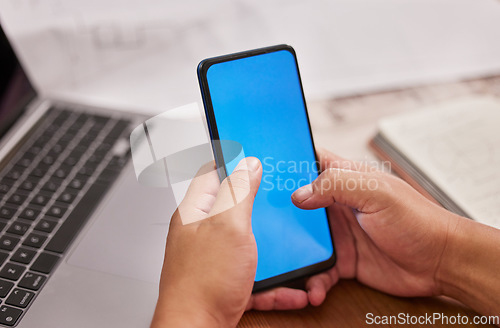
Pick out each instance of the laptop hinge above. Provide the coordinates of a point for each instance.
(20, 130)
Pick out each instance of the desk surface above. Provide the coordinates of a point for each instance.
(344, 126)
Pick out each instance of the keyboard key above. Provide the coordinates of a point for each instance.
(48, 159)
(117, 163)
(2, 225)
(9, 315)
(38, 172)
(23, 255)
(97, 157)
(28, 156)
(32, 281)
(42, 140)
(67, 196)
(103, 148)
(3, 257)
(25, 161)
(29, 214)
(120, 126)
(52, 185)
(74, 128)
(71, 160)
(79, 150)
(45, 263)
(43, 166)
(57, 149)
(46, 225)
(20, 298)
(89, 137)
(40, 200)
(27, 185)
(63, 171)
(78, 123)
(61, 117)
(7, 212)
(18, 228)
(99, 120)
(35, 180)
(12, 271)
(15, 172)
(17, 199)
(5, 287)
(98, 124)
(8, 243)
(5, 185)
(57, 211)
(49, 131)
(45, 136)
(35, 149)
(35, 240)
(77, 183)
(67, 137)
(88, 169)
(76, 219)
(108, 175)
(82, 178)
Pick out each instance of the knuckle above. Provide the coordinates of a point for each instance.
(385, 188)
(329, 175)
(328, 180)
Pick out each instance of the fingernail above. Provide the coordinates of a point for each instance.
(249, 163)
(340, 169)
(303, 193)
(253, 163)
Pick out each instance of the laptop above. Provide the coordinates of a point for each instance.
(81, 242)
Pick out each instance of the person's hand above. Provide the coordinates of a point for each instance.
(386, 234)
(210, 265)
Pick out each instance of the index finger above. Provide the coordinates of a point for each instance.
(329, 160)
(366, 192)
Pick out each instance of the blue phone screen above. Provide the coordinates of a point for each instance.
(257, 101)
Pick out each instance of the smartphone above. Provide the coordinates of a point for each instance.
(256, 99)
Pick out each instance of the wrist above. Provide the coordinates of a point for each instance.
(449, 275)
(468, 269)
(183, 319)
(178, 313)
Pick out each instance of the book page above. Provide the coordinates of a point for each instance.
(457, 146)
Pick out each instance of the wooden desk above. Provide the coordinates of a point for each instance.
(344, 126)
(347, 305)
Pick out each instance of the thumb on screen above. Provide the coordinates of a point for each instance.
(355, 189)
(239, 188)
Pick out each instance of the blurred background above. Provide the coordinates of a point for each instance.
(360, 61)
(142, 54)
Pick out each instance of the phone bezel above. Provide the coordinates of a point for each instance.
(202, 70)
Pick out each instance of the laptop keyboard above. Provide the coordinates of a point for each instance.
(47, 192)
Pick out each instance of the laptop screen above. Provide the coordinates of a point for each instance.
(15, 89)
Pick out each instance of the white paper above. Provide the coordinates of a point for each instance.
(143, 54)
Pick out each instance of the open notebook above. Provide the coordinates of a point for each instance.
(451, 153)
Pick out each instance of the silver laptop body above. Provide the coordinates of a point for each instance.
(107, 274)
